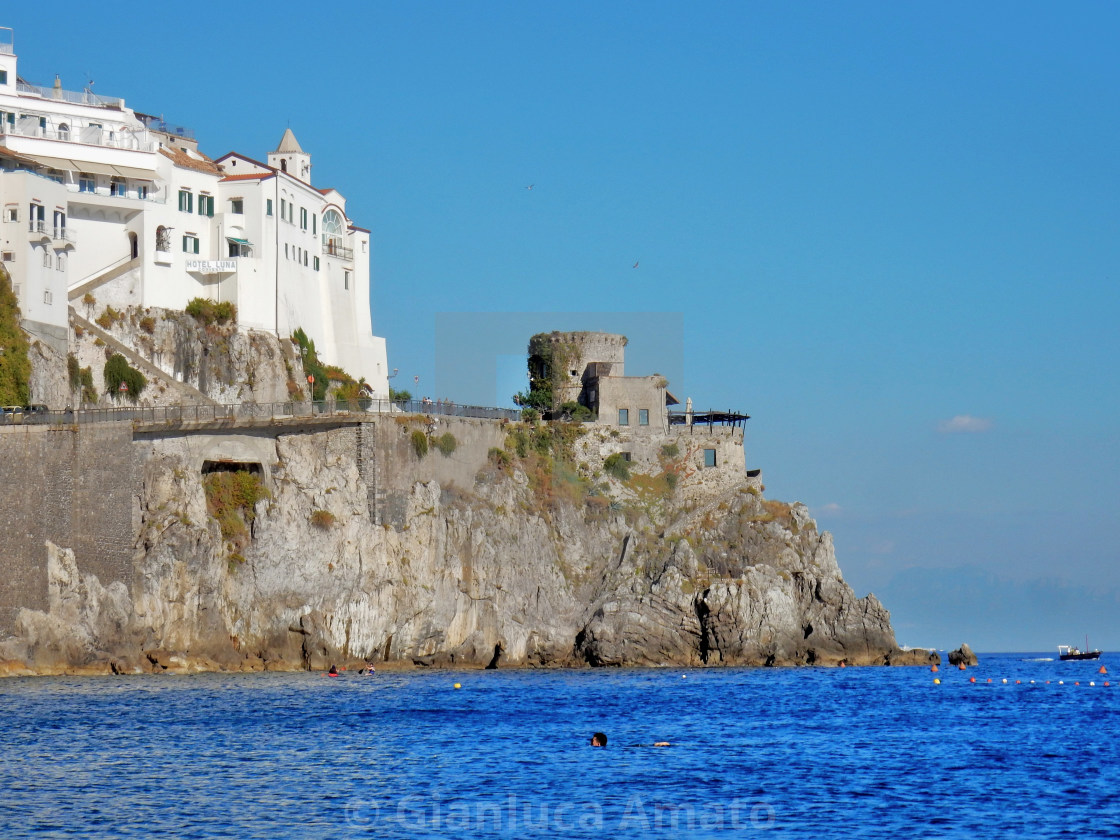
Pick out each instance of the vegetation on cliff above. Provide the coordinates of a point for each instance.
(15, 365)
(119, 373)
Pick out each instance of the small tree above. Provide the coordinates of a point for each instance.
(117, 373)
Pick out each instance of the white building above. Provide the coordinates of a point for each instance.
(95, 197)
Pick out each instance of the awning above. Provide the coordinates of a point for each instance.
(237, 241)
(53, 162)
(134, 173)
(670, 399)
(95, 168)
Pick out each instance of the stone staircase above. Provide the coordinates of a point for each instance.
(188, 394)
(111, 273)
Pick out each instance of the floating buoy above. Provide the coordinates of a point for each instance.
(936, 681)
(843, 664)
(457, 685)
(1005, 680)
(1048, 682)
(989, 679)
(934, 668)
(1103, 670)
(1092, 683)
(1060, 682)
(1078, 682)
(1106, 683)
(1017, 682)
(961, 667)
(1032, 682)
(972, 679)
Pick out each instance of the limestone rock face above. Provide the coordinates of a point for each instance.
(963, 656)
(502, 572)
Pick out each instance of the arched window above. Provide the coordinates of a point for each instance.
(283, 165)
(163, 239)
(332, 232)
(63, 131)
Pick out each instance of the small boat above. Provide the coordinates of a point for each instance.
(1069, 654)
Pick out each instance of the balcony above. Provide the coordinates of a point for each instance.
(131, 139)
(61, 234)
(37, 230)
(333, 247)
(74, 97)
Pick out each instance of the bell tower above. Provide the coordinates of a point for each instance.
(290, 158)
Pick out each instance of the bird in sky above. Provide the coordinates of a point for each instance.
(529, 187)
(636, 263)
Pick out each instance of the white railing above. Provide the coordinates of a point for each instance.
(83, 97)
(132, 140)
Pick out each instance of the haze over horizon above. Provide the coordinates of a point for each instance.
(888, 232)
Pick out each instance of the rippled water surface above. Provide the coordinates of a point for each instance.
(857, 752)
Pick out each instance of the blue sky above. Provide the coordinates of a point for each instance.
(887, 231)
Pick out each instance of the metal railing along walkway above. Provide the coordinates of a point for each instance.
(251, 413)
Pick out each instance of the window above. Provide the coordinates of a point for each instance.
(332, 232)
(206, 205)
(118, 187)
(142, 191)
(11, 214)
(163, 239)
(60, 262)
(305, 258)
(316, 263)
(268, 206)
(625, 456)
(237, 206)
(624, 417)
(63, 131)
(303, 218)
(240, 249)
(314, 224)
(283, 209)
(46, 258)
(643, 416)
(190, 243)
(709, 457)
(346, 279)
(48, 297)
(86, 182)
(286, 251)
(3, 77)
(186, 201)
(10, 256)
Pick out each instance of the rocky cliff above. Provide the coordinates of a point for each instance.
(484, 555)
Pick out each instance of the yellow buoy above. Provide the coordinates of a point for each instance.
(457, 685)
(936, 681)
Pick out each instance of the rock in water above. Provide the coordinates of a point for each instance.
(963, 656)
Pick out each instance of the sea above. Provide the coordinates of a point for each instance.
(1030, 749)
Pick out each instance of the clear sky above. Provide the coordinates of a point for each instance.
(887, 231)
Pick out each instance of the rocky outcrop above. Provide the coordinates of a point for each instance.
(963, 656)
(507, 570)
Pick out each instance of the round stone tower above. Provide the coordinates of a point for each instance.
(562, 360)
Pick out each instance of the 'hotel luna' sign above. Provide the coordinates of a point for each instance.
(211, 266)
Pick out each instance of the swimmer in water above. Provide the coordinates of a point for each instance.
(598, 740)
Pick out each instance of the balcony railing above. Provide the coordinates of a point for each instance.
(61, 234)
(132, 140)
(83, 97)
(333, 247)
(37, 227)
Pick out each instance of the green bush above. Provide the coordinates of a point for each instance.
(446, 443)
(578, 413)
(73, 371)
(15, 366)
(208, 312)
(499, 458)
(420, 443)
(312, 366)
(616, 465)
(670, 450)
(530, 415)
(118, 371)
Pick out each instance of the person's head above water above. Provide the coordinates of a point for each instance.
(598, 740)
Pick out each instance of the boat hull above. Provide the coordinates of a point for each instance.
(1068, 657)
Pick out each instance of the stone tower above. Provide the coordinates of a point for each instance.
(563, 361)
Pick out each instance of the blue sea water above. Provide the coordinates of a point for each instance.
(856, 752)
